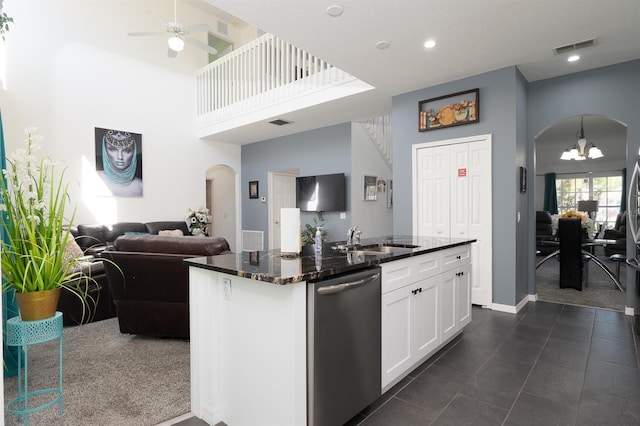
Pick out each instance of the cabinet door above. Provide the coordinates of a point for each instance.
(396, 333)
(463, 295)
(425, 316)
(448, 305)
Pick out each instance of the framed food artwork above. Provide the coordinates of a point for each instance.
(450, 110)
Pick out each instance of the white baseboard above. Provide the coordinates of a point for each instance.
(533, 297)
(510, 309)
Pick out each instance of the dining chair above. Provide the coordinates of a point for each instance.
(572, 260)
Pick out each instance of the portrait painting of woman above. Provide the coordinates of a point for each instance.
(119, 161)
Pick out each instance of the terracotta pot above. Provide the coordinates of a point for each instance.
(38, 305)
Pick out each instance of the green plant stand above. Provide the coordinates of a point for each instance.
(23, 334)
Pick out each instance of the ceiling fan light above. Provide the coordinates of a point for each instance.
(176, 43)
(595, 152)
(566, 155)
(573, 152)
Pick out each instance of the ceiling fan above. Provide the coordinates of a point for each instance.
(178, 34)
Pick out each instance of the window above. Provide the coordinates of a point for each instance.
(606, 189)
(221, 45)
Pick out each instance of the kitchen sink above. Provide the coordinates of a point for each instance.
(379, 250)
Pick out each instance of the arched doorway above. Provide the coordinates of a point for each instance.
(600, 179)
(222, 203)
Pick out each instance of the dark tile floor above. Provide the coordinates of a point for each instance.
(551, 364)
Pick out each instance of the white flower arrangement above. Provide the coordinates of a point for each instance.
(197, 221)
(586, 222)
(34, 199)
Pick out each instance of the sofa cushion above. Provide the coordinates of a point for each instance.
(117, 229)
(91, 235)
(204, 246)
(171, 232)
(155, 227)
(72, 250)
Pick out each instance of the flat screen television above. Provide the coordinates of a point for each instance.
(323, 193)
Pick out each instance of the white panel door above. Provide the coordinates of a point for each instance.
(282, 195)
(433, 184)
(459, 172)
(480, 216)
(441, 182)
(426, 188)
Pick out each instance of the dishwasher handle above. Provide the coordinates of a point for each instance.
(330, 289)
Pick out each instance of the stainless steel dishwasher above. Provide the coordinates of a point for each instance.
(343, 361)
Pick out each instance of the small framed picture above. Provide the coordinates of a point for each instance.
(523, 179)
(253, 189)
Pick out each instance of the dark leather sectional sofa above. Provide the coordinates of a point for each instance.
(149, 281)
(93, 240)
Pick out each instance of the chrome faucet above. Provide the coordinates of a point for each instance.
(353, 231)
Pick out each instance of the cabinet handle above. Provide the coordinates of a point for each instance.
(458, 257)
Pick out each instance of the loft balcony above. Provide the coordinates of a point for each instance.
(262, 80)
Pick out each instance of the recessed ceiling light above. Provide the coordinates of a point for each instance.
(335, 10)
(573, 58)
(383, 44)
(429, 44)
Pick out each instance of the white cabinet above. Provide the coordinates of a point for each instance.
(463, 295)
(424, 304)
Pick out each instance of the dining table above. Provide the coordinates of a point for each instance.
(588, 250)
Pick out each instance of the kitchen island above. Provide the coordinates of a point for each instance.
(248, 318)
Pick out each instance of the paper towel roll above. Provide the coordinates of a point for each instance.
(290, 241)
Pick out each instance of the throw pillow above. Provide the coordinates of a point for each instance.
(72, 250)
(135, 233)
(171, 232)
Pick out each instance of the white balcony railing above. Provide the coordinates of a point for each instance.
(260, 74)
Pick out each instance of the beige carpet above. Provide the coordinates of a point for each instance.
(109, 378)
(601, 292)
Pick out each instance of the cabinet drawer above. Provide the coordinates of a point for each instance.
(400, 273)
(455, 257)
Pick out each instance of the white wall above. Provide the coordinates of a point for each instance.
(71, 68)
(374, 218)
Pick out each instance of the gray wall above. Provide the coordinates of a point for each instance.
(522, 200)
(610, 91)
(321, 151)
(499, 92)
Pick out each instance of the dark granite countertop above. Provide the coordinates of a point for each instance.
(270, 266)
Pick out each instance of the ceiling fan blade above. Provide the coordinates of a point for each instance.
(196, 29)
(171, 53)
(143, 33)
(201, 45)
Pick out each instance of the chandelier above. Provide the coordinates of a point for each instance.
(582, 149)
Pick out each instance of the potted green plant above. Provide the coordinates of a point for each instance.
(33, 254)
(309, 231)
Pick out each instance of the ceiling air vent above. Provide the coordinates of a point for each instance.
(280, 122)
(574, 46)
